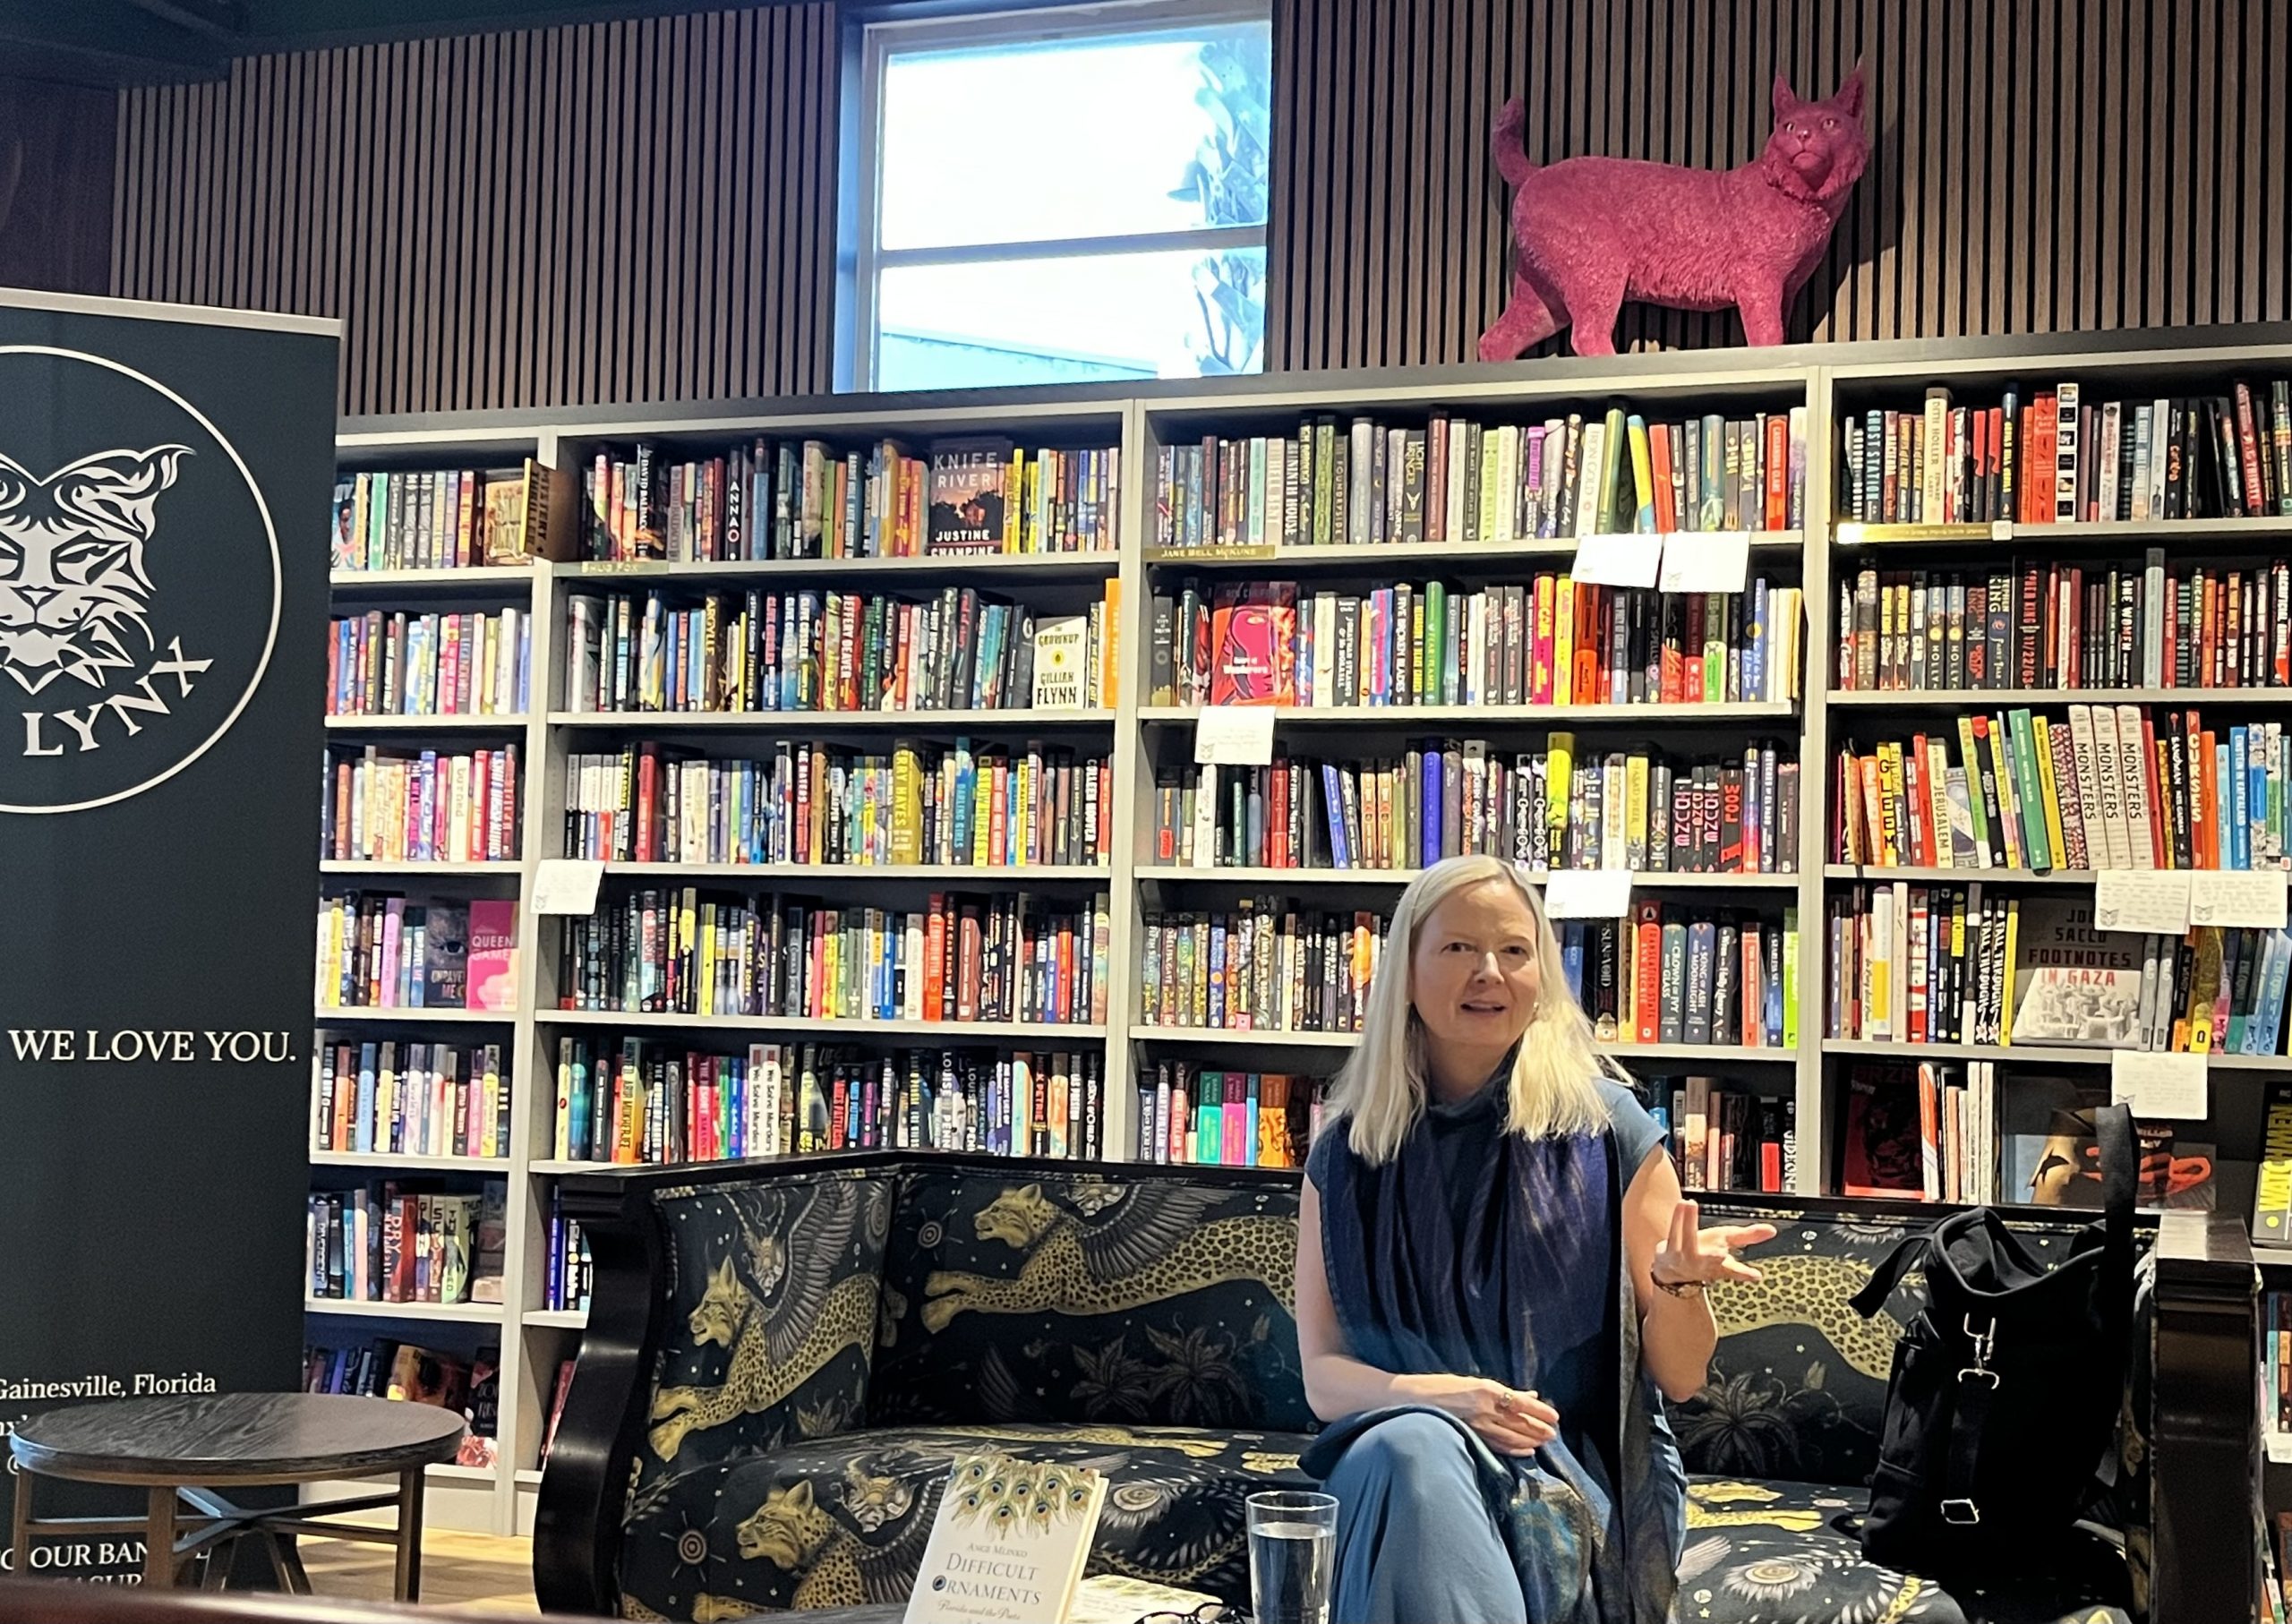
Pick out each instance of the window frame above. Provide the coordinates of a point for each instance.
(881, 39)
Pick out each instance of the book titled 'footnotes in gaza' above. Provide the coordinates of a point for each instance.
(1010, 1543)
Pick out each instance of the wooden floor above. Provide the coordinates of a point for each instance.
(477, 1572)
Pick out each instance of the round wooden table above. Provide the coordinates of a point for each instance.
(184, 1448)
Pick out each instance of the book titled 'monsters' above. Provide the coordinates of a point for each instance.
(1010, 1542)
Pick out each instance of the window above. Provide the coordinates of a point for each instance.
(1058, 195)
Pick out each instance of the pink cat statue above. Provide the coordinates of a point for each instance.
(1592, 232)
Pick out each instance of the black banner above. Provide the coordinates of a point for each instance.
(165, 476)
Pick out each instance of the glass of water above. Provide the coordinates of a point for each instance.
(1293, 1556)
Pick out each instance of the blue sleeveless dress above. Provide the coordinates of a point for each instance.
(1475, 1252)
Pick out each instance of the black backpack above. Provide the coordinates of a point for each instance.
(2006, 1388)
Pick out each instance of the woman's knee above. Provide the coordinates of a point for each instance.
(1415, 1451)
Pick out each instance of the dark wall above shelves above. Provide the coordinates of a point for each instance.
(56, 160)
(636, 210)
(554, 216)
(2124, 164)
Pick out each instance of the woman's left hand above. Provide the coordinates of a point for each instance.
(1691, 1255)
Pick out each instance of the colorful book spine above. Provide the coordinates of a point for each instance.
(2060, 456)
(639, 1102)
(388, 806)
(2103, 787)
(1542, 640)
(1456, 481)
(813, 650)
(1009, 958)
(796, 500)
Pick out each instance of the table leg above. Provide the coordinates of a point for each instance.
(290, 1563)
(20, 1534)
(286, 1566)
(159, 1541)
(409, 1535)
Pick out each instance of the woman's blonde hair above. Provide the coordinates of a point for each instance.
(1380, 1092)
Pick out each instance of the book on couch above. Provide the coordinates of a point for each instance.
(1009, 1544)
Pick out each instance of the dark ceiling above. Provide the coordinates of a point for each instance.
(115, 42)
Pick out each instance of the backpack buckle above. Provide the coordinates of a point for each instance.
(1985, 1342)
(1961, 1513)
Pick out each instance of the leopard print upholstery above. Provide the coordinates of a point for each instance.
(842, 1521)
(1798, 1387)
(1774, 1552)
(1080, 1299)
(776, 1290)
(832, 1342)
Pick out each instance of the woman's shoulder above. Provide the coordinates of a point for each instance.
(1321, 1157)
(1617, 1097)
(1635, 1132)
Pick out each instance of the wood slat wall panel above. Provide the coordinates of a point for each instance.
(644, 209)
(624, 211)
(58, 217)
(2126, 165)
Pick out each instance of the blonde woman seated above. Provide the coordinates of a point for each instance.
(1496, 1274)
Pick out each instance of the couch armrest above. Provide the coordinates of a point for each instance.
(2204, 1437)
(577, 1517)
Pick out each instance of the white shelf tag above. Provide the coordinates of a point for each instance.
(2147, 901)
(2237, 896)
(567, 885)
(2161, 1085)
(1587, 894)
(1706, 560)
(1233, 736)
(1625, 558)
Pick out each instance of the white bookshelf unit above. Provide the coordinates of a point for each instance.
(1143, 737)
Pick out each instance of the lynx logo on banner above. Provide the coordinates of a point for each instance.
(98, 585)
(164, 477)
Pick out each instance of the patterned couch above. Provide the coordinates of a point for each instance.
(784, 1356)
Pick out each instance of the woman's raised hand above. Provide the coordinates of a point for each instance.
(1691, 1255)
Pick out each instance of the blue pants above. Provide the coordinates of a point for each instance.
(1415, 1544)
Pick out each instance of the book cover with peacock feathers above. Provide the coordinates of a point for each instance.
(1009, 1544)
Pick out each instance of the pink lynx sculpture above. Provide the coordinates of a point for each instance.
(1590, 233)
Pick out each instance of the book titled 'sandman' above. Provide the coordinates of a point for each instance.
(1010, 1542)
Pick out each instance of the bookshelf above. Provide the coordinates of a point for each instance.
(478, 1499)
(1157, 737)
(2146, 369)
(1142, 736)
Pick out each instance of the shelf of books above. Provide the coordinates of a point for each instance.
(418, 1096)
(1036, 774)
(835, 710)
(1558, 621)
(2055, 847)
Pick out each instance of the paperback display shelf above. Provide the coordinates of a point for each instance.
(2061, 650)
(402, 606)
(1456, 485)
(1447, 675)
